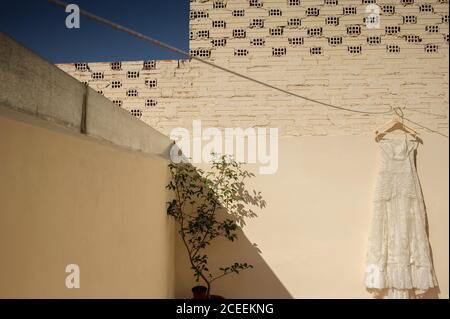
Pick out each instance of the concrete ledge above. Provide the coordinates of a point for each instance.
(31, 85)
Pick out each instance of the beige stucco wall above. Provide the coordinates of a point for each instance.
(313, 233)
(67, 199)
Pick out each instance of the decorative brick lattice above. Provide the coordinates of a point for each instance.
(151, 83)
(241, 52)
(81, 67)
(255, 3)
(257, 23)
(203, 34)
(278, 51)
(331, 2)
(312, 12)
(239, 33)
(132, 74)
(349, 10)
(198, 14)
(116, 84)
(219, 24)
(151, 102)
(315, 31)
(218, 4)
(136, 112)
(118, 102)
(296, 41)
(355, 49)
(316, 51)
(393, 48)
(219, 42)
(332, 21)
(97, 75)
(257, 42)
(238, 13)
(294, 22)
(203, 53)
(149, 65)
(432, 28)
(431, 48)
(275, 13)
(373, 40)
(354, 30)
(392, 30)
(412, 38)
(278, 31)
(388, 9)
(410, 19)
(426, 8)
(338, 14)
(116, 66)
(132, 92)
(336, 40)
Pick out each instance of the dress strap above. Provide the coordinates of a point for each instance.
(412, 145)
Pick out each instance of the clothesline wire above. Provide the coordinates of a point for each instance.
(441, 116)
(426, 128)
(169, 47)
(187, 54)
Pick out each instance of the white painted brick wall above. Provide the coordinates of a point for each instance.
(370, 81)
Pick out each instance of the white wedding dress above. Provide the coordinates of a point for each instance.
(399, 261)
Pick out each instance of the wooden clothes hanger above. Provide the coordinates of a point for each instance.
(396, 123)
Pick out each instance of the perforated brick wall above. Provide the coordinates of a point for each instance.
(321, 49)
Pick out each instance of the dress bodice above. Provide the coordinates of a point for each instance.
(397, 149)
(397, 153)
(397, 174)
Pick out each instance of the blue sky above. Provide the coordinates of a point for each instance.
(40, 26)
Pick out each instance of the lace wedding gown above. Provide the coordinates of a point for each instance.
(399, 261)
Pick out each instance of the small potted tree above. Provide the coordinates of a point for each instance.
(209, 205)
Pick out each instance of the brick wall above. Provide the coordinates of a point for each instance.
(321, 49)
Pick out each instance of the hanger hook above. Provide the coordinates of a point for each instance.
(399, 112)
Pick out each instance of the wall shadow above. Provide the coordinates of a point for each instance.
(259, 282)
